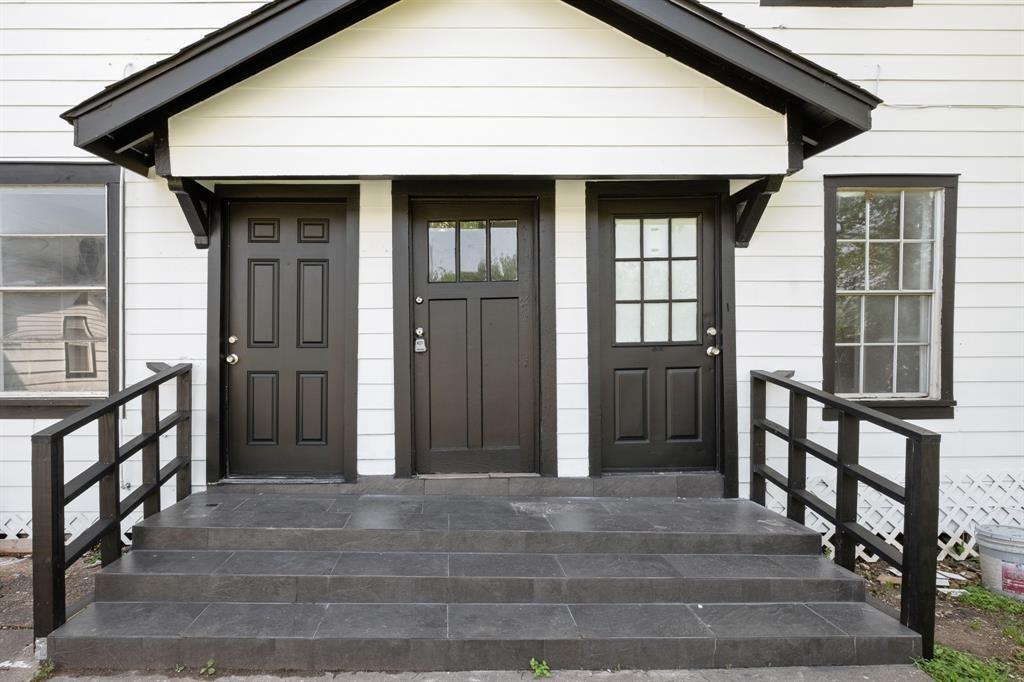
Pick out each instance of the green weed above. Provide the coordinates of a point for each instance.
(540, 668)
(950, 665)
(980, 598)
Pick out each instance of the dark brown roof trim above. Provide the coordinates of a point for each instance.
(118, 123)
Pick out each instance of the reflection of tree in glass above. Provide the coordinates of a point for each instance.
(850, 267)
(850, 215)
(504, 268)
(885, 214)
(439, 273)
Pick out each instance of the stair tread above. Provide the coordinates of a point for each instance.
(470, 564)
(481, 621)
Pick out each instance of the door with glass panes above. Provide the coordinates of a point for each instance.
(475, 336)
(658, 333)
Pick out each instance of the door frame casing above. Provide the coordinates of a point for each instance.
(403, 193)
(217, 313)
(725, 302)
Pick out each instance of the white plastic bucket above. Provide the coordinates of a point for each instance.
(1002, 559)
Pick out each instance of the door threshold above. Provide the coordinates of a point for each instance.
(280, 480)
(435, 477)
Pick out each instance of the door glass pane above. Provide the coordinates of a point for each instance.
(848, 369)
(504, 251)
(627, 323)
(878, 369)
(879, 318)
(919, 217)
(684, 237)
(684, 279)
(848, 319)
(655, 237)
(917, 265)
(884, 266)
(655, 322)
(915, 319)
(655, 280)
(627, 281)
(884, 215)
(850, 266)
(850, 215)
(627, 237)
(473, 251)
(441, 247)
(912, 369)
(684, 321)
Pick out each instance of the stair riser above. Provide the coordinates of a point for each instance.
(552, 542)
(421, 655)
(468, 590)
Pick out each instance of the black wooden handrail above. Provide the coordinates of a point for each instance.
(50, 494)
(920, 496)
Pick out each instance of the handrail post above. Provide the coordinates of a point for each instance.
(758, 410)
(110, 486)
(797, 473)
(846, 490)
(47, 534)
(151, 452)
(920, 530)
(184, 436)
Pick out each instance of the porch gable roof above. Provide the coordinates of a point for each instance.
(121, 122)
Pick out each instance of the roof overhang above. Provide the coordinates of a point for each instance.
(121, 123)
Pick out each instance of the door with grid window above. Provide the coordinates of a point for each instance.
(658, 333)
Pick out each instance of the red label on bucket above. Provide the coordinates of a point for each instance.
(1013, 578)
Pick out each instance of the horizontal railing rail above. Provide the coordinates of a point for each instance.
(919, 498)
(51, 553)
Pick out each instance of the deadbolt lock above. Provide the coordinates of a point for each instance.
(419, 299)
(232, 339)
(712, 331)
(419, 332)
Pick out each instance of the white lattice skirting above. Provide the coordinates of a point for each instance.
(969, 501)
(964, 503)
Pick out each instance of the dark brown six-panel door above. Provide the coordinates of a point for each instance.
(285, 322)
(475, 335)
(656, 292)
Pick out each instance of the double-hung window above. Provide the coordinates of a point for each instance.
(890, 254)
(58, 265)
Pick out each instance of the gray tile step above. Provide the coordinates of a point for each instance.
(396, 577)
(425, 637)
(692, 484)
(229, 521)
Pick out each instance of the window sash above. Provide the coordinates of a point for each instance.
(92, 371)
(934, 293)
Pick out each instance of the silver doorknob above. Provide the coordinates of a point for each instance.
(712, 331)
(714, 351)
(231, 359)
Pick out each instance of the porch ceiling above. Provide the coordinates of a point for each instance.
(123, 122)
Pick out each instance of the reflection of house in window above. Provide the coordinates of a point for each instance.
(79, 349)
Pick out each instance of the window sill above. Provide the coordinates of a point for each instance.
(903, 409)
(43, 408)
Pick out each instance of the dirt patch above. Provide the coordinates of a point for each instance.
(960, 626)
(16, 589)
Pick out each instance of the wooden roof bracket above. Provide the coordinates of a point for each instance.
(750, 203)
(195, 200)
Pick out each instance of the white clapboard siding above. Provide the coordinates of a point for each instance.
(536, 87)
(450, 87)
(952, 78)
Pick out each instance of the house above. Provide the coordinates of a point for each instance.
(538, 244)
